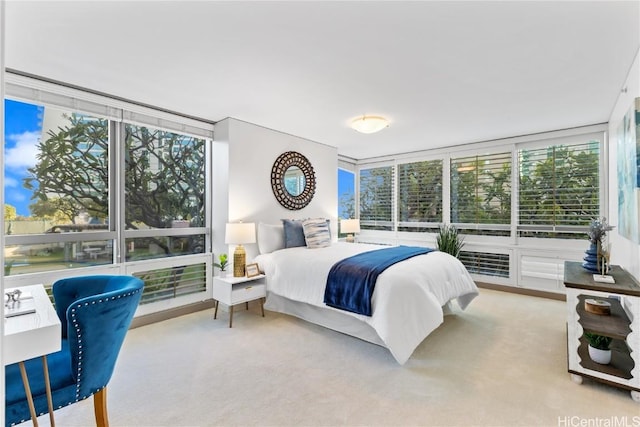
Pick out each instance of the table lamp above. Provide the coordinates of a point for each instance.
(350, 227)
(237, 234)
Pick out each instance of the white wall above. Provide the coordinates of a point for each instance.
(624, 252)
(252, 151)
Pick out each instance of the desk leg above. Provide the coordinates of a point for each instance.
(27, 390)
(47, 385)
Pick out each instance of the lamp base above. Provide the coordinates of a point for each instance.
(239, 261)
(350, 238)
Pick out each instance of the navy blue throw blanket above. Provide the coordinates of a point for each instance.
(351, 281)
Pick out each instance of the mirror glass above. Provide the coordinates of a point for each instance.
(294, 181)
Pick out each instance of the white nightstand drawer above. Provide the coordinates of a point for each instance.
(247, 292)
(236, 290)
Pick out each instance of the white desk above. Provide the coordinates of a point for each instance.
(33, 335)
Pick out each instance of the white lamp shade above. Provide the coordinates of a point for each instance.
(350, 226)
(369, 124)
(239, 233)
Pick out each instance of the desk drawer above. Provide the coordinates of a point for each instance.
(247, 292)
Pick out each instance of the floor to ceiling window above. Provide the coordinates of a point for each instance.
(119, 192)
(57, 189)
(507, 198)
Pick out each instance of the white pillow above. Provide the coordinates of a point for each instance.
(270, 237)
(317, 233)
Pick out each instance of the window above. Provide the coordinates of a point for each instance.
(346, 194)
(164, 189)
(57, 189)
(376, 198)
(68, 206)
(481, 191)
(419, 195)
(559, 189)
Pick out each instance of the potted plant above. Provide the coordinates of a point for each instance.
(223, 261)
(448, 240)
(599, 350)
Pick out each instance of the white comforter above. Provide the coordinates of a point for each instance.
(408, 297)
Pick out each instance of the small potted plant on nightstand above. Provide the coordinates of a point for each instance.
(599, 350)
(223, 261)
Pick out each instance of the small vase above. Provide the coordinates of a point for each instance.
(591, 259)
(603, 357)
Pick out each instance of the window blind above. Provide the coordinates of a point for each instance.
(481, 189)
(419, 194)
(376, 198)
(559, 188)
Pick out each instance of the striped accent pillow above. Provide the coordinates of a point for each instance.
(317, 232)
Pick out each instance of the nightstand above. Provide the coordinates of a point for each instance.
(236, 290)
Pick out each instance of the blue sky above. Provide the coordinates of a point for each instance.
(23, 127)
(346, 184)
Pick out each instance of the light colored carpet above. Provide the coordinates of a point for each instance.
(500, 363)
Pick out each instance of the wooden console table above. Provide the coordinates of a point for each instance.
(623, 325)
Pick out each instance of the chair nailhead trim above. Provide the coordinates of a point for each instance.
(79, 337)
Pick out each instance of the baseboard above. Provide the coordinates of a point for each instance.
(523, 291)
(148, 319)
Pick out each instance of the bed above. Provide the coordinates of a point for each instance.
(409, 300)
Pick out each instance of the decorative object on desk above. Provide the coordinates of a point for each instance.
(223, 261)
(448, 240)
(19, 307)
(599, 350)
(237, 234)
(597, 306)
(13, 295)
(350, 227)
(597, 232)
(253, 270)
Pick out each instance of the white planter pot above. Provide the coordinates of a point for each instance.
(602, 357)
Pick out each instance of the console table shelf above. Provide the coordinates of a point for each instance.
(615, 325)
(622, 324)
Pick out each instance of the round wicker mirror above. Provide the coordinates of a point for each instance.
(293, 180)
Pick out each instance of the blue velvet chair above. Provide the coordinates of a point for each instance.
(95, 312)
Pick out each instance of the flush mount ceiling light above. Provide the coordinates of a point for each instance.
(369, 124)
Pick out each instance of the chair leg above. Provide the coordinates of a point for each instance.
(100, 408)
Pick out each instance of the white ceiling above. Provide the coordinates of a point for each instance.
(443, 73)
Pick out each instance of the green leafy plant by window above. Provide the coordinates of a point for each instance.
(598, 341)
(449, 241)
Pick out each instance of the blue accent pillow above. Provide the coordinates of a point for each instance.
(293, 233)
